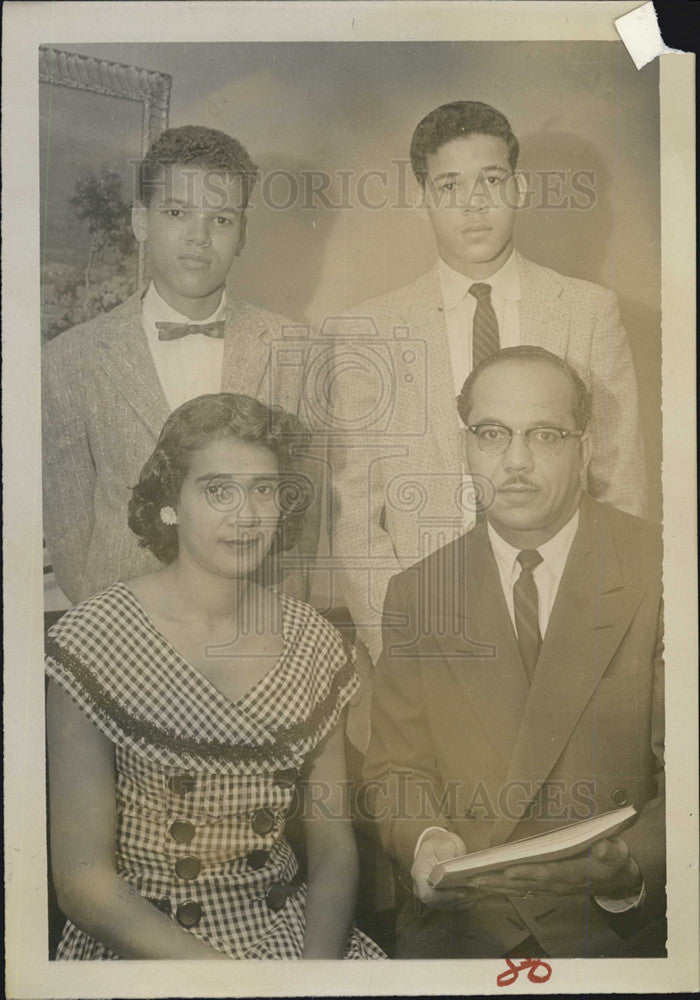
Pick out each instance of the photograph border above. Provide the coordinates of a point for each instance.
(29, 973)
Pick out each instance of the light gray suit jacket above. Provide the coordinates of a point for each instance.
(103, 409)
(397, 472)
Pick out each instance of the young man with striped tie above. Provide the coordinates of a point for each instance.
(520, 689)
(400, 485)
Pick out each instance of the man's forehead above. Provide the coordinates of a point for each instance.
(479, 147)
(197, 186)
(514, 386)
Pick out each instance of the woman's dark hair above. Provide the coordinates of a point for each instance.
(192, 426)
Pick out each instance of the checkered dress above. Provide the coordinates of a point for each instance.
(204, 784)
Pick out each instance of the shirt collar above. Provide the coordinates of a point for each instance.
(155, 309)
(554, 553)
(505, 283)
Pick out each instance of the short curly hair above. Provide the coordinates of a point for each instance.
(194, 425)
(195, 146)
(457, 121)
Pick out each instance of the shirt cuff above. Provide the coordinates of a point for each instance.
(422, 836)
(620, 905)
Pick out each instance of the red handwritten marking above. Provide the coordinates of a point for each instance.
(508, 977)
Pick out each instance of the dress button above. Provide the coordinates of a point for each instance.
(182, 831)
(188, 867)
(263, 821)
(189, 913)
(181, 784)
(286, 778)
(277, 895)
(257, 859)
(619, 797)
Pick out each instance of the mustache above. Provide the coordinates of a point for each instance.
(517, 481)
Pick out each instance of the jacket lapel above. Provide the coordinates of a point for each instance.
(485, 656)
(545, 314)
(127, 361)
(590, 616)
(246, 349)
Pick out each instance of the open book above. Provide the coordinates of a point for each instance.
(552, 846)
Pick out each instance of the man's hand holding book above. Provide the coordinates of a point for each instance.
(587, 855)
(607, 869)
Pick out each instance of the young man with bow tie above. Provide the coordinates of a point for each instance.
(110, 384)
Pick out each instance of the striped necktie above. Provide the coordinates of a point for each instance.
(485, 340)
(526, 607)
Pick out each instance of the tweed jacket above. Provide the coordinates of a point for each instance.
(103, 409)
(484, 753)
(398, 486)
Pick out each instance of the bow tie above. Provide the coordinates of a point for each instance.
(173, 331)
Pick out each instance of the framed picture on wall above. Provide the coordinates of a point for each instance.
(96, 120)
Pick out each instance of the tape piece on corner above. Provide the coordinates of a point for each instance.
(639, 30)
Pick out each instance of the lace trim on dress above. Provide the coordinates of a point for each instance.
(108, 708)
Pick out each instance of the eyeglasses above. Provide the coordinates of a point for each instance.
(493, 439)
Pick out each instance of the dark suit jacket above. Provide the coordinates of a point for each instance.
(460, 739)
(103, 409)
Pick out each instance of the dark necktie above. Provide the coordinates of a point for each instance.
(174, 331)
(485, 340)
(525, 605)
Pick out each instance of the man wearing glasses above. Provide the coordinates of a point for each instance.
(520, 689)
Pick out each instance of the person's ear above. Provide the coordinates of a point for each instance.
(139, 221)
(242, 233)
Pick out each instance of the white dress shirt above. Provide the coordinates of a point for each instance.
(547, 575)
(189, 366)
(460, 308)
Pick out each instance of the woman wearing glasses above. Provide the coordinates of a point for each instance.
(185, 708)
